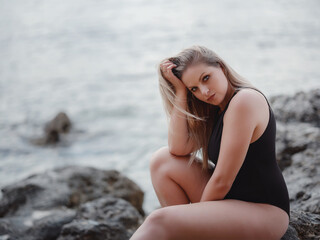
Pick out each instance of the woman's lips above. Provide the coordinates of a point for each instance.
(211, 97)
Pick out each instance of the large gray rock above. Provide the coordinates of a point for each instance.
(298, 155)
(104, 218)
(303, 226)
(300, 107)
(93, 230)
(111, 210)
(293, 138)
(303, 181)
(39, 206)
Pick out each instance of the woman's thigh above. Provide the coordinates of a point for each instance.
(224, 219)
(191, 178)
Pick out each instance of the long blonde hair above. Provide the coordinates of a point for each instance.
(200, 116)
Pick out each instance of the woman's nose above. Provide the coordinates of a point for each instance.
(204, 90)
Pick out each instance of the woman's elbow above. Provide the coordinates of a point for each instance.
(179, 152)
(222, 186)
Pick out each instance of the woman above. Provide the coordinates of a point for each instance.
(213, 110)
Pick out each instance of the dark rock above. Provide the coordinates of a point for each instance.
(300, 107)
(49, 227)
(42, 204)
(111, 210)
(303, 225)
(54, 129)
(291, 234)
(293, 138)
(68, 186)
(298, 155)
(298, 149)
(104, 218)
(303, 181)
(61, 124)
(93, 230)
(15, 197)
(5, 237)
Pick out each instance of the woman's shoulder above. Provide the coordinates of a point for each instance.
(248, 97)
(247, 102)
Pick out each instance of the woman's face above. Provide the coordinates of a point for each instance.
(208, 83)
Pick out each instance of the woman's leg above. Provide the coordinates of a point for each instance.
(224, 219)
(174, 181)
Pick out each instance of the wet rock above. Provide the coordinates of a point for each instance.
(303, 225)
(293, 138)
(60, 123)
(111, 210)
(300, 107)
(93, 230)
(303, 181)
(68, 186)
(104, 218)
(298, 155)
(54, 130)
(42, 204)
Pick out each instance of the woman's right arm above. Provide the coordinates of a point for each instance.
(179, 141)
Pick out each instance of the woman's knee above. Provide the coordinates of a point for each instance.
(159, 159)
(155, 223)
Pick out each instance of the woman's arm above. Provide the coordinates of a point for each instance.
(178, 137)
(240, 122)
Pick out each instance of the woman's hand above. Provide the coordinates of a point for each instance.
(166, 69)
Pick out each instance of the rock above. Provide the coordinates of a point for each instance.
(303, 225)
(293, 138)
(49, 226)
(303, 181)
(60, 123)
(104, 218)
(54, 129)
(300, 107)
(111, 210)
(41, 205)
(298, 155)
(291, 234)
(93, 230)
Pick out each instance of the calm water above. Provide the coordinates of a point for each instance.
(96, 60)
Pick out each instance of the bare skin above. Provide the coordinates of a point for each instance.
(191, 198)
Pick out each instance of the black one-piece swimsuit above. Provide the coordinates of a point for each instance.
(259, 179)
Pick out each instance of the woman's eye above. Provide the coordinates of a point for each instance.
(206, 78)
(193, 89)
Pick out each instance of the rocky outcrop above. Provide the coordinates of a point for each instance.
(299, 107)
(105, 218)
(298, 155)
(54, 129)
(303, 226)
(71, 203)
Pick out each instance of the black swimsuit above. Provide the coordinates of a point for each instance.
(259, 179)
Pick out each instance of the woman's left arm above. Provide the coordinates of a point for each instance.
(239, 124)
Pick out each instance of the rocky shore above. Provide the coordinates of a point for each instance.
(71, 203)
(76, 202)
(298, 155)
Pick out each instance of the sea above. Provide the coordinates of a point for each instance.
(96, 60)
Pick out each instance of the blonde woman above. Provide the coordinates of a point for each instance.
(237, 190)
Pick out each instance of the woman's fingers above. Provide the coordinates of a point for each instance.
(166, 69)
(166, 66)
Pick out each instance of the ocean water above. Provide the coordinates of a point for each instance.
(96, 60)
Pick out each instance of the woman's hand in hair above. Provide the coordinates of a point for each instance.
(166, 70)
